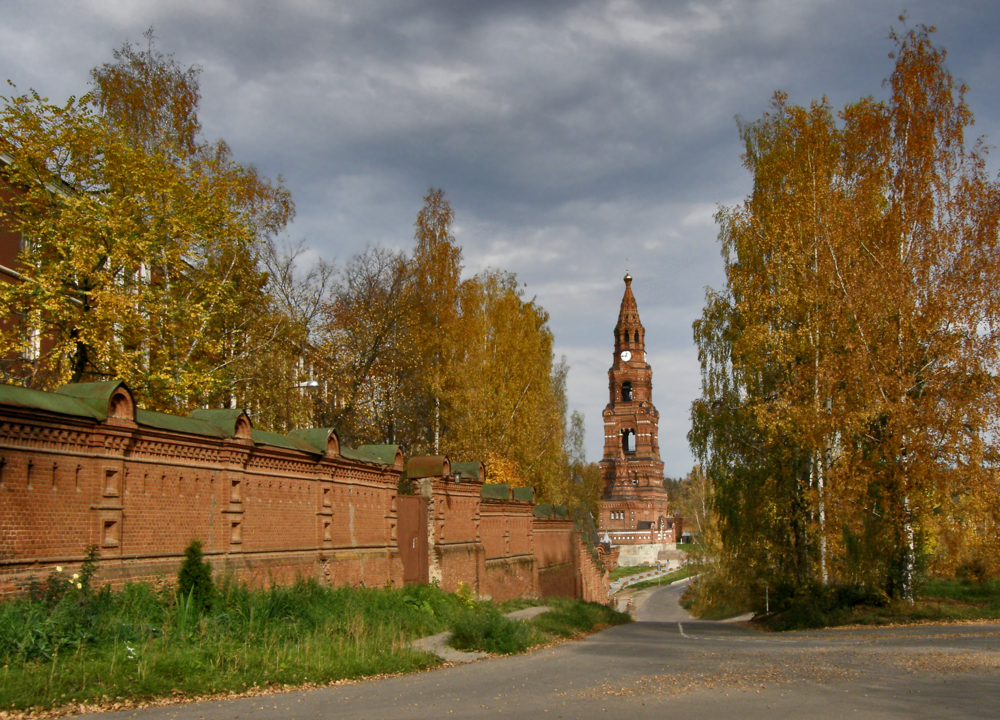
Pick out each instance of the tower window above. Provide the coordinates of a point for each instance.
(626, 392)
(628, 441)
(637, 336)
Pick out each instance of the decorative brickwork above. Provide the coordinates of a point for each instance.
(79, 469)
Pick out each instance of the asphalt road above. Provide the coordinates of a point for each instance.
(668, 665)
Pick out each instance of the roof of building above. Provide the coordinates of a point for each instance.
(628, 314)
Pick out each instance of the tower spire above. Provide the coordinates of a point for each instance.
(629, 332)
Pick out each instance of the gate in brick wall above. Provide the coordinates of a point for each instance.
(411, 536)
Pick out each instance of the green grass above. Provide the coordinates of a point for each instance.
(936, 601)
(674, 576)
(63, 645)
(619, 572)
(491, 632)
(573, 618)
(985, 595)
(142, 642)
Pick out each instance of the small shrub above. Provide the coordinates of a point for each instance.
(194, 580)
(464, 595)
(491, 632)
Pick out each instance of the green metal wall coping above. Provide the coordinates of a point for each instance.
(469, 470)
(495, 491)
(524, 494)
(360, 455)
(319, 438)
(59, 403)
(91, 401)
(424, 466)
(547, 510)
(386, 454)
(95, 395)
(262, 437)
(173, 423)
(223, 418)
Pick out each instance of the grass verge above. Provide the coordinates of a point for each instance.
(674, 576)
(574, 618)
(145, 642)
(951, 600)
(492, 632)
(67, 646)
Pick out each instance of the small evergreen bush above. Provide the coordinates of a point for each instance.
(194, 580)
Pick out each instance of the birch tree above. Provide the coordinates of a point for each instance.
(848, 418)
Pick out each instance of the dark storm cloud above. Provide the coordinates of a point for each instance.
(569, 136)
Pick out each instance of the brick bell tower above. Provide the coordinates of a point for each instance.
(634, 508)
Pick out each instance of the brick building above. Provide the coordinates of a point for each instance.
(635, 515)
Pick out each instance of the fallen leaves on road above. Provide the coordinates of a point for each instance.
(754, 672)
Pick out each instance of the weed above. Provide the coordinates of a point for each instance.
(465, 596)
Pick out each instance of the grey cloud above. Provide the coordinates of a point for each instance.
(568, 135)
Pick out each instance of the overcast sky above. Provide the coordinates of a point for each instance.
(575, 140)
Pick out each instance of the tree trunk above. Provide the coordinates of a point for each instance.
(909, 554)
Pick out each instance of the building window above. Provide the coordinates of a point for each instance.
(637, 336)
(626, 392)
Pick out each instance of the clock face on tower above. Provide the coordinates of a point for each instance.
(626, 355)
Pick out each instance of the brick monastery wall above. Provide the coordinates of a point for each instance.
(265, 514)
(508, 544)
(555, 552)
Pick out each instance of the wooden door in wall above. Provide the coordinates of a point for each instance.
(411, 537)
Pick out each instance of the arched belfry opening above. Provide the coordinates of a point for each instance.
(627, 392)
(628, 441)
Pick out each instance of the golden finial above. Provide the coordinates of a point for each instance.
(628, 277)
